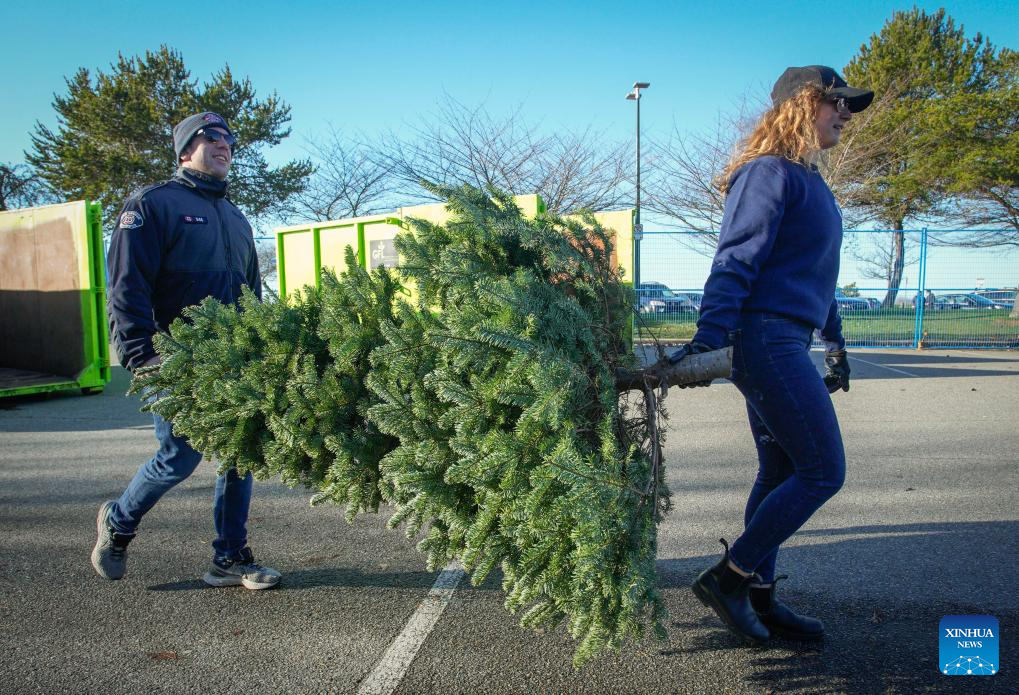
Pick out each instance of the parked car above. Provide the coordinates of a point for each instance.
(850, 303)
(656, 298)
(1004, 298)
(966, 301)
(694, 297)
(874, 302)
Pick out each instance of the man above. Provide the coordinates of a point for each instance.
(175, 244)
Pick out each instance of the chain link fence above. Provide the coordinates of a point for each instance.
(913, 288)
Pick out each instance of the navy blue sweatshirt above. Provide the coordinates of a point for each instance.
(175, 244)
(778, 251)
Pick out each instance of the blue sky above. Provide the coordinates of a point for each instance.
(370, 67)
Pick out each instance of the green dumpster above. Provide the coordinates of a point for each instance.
(53, 333)
(303, 250)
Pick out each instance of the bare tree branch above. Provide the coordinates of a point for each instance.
(266, 252)
(349, 180)
(467, 145)
(682, 171)
(22, 187)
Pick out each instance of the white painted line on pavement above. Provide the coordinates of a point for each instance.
(387, 674)
(875, 364)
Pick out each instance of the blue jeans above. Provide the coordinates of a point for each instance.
(799, 445)
(173, 463)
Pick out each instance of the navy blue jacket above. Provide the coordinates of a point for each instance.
(778, 251)
(175, 244)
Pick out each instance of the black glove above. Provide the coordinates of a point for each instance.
(836, 371)
(692, 348)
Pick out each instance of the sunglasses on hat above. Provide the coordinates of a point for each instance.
(216, 136)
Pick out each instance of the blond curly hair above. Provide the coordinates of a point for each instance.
(786, 130)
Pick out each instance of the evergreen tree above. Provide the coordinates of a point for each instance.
(487, 411)
(115, 133)
(981, 169)
(278, 388)
(513, 447)
(932, 79)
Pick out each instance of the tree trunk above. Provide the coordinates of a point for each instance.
(898, 263)
(1015, 306)
(692, 370)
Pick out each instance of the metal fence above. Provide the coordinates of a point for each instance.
(955, 288)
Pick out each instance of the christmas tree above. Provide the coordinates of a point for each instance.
(278, 388)
(500, 412)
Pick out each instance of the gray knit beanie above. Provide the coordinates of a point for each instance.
(186, 129)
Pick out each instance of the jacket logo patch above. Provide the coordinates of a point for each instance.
(195, 219)
(131, 220)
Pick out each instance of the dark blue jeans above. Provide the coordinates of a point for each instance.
(173, 463)
(799, 445)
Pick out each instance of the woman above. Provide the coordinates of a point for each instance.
(772, 283)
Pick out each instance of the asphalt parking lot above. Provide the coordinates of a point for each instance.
(926, 526)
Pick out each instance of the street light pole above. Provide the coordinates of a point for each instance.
(638, 228)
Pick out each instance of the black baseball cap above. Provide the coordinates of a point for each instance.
(793, 80)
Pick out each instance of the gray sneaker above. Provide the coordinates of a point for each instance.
(243, 571)
(109, 557)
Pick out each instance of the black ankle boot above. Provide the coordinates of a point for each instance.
(778, 618)
(725, 591)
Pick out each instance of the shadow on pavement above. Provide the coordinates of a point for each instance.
(186, 585)
(881, 591)
(351, 577)
(70, 411)
(336, 577)
(935, 363)
(908, 357)
(955, 554)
